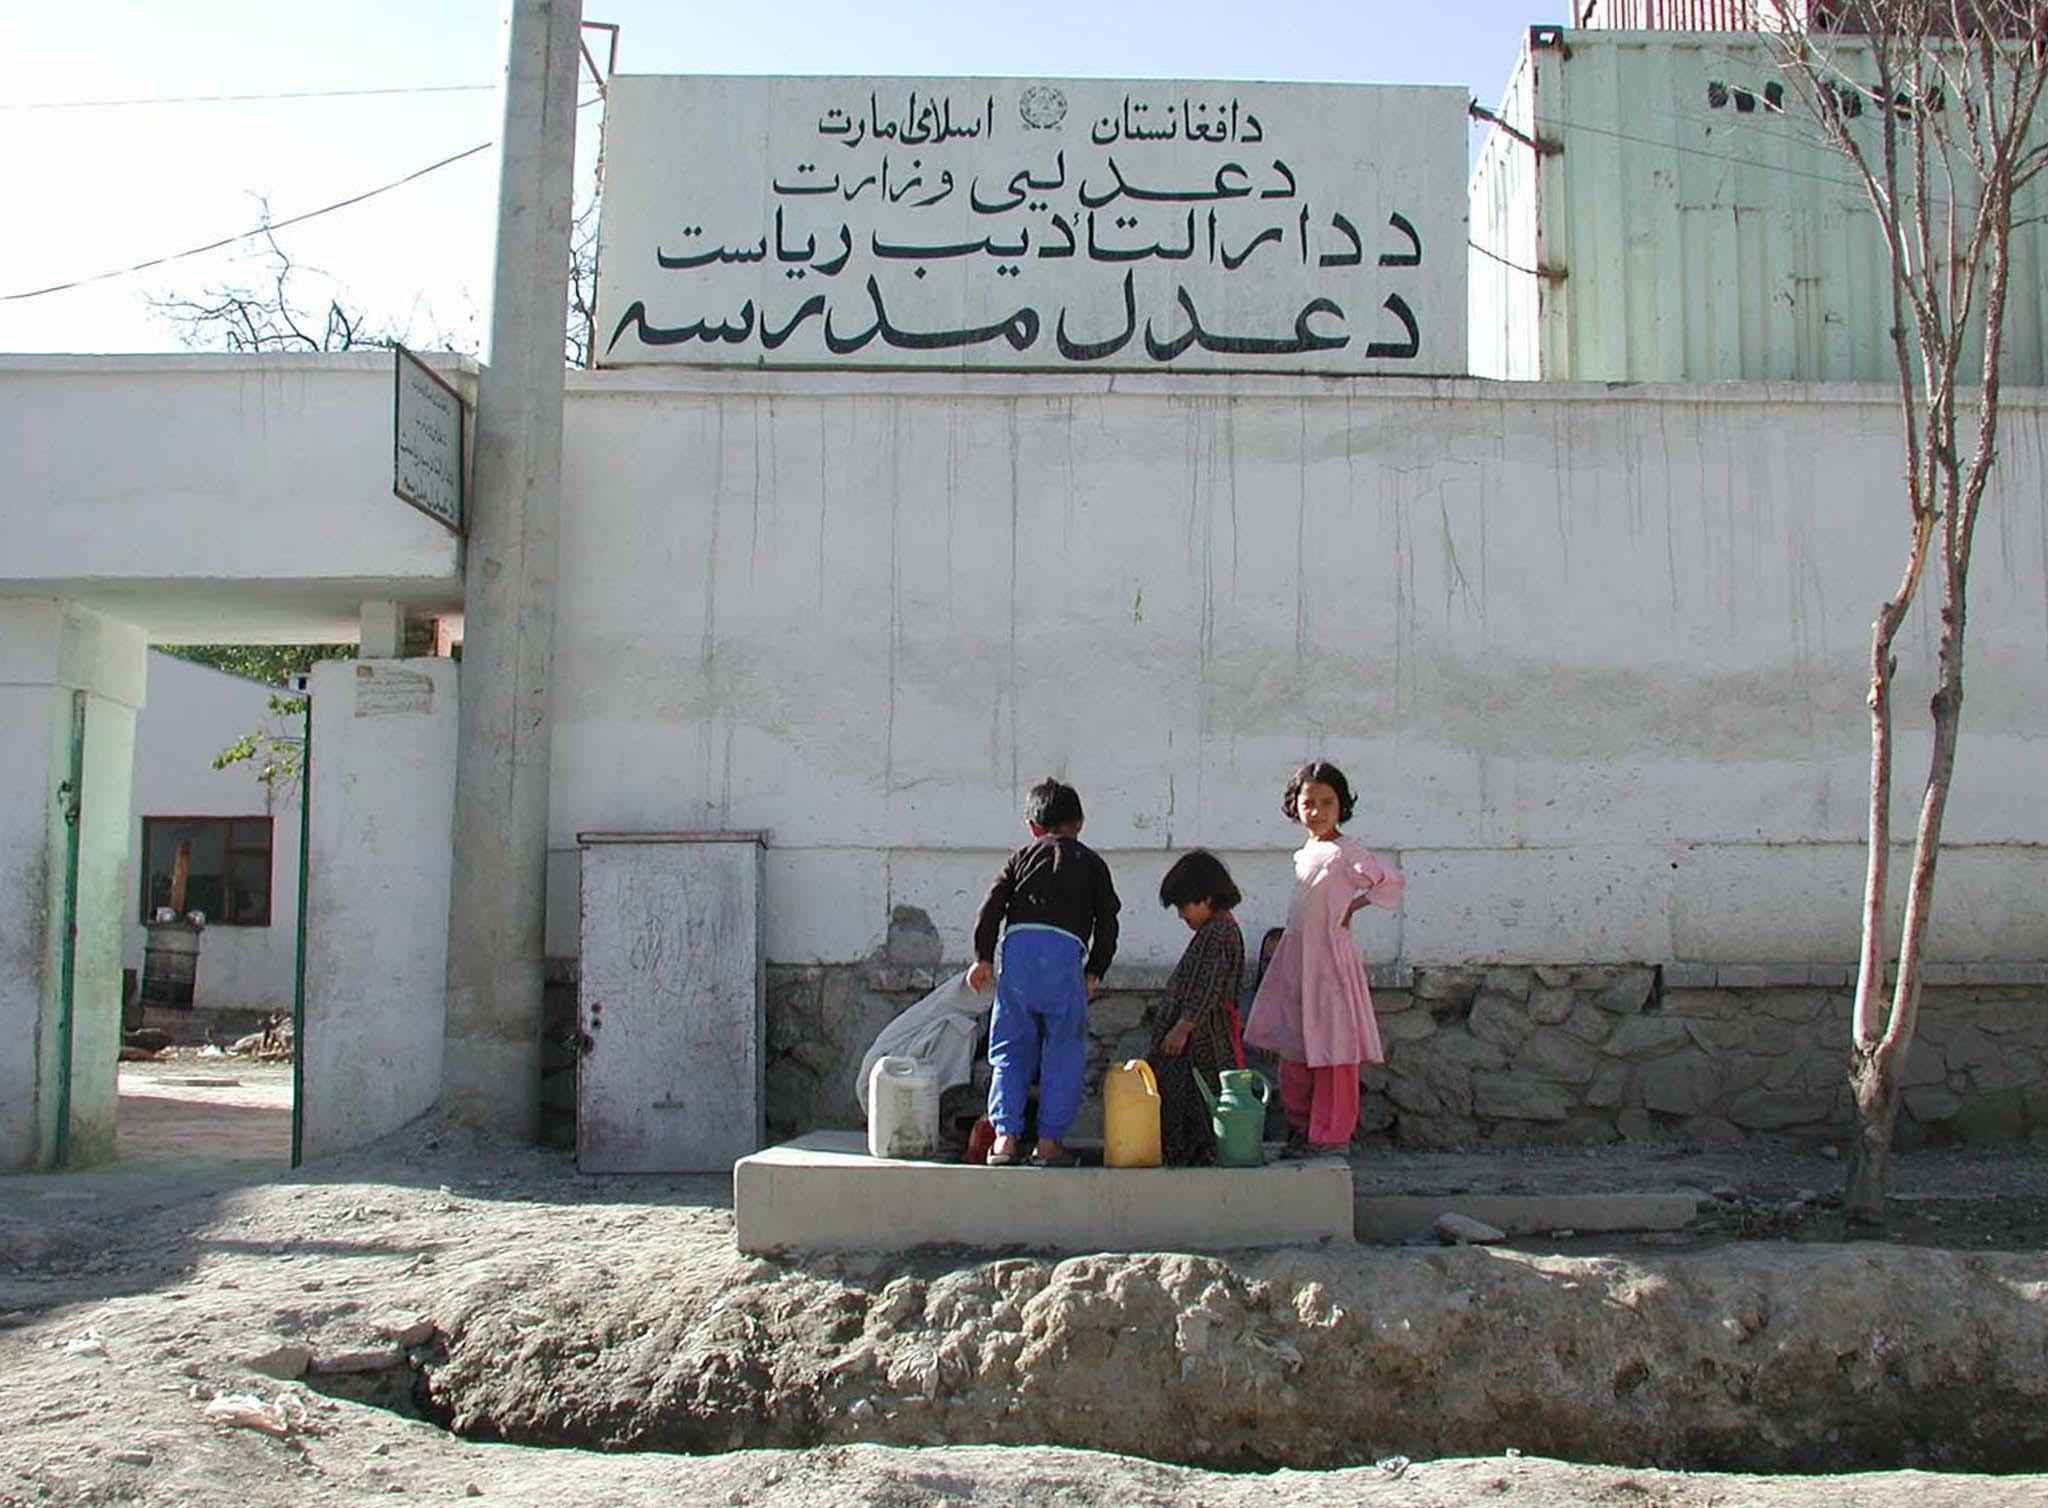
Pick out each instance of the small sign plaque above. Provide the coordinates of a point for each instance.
(427, 449)
(387, 691)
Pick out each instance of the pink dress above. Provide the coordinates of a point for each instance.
(1313, 1006)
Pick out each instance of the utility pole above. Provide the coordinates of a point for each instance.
(490, 1071)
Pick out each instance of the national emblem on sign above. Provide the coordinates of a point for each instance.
(1042, 107)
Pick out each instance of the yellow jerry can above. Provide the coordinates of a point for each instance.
(1130, 1116)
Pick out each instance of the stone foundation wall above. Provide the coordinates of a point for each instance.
(1592, 1054)
(1504, 1055)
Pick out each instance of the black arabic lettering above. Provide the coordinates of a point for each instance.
(796, 189)
(1101, 253)
(1397, 350)
(1304, 340)
(785, 253)
(1349, 258)
(1218, 128)
(1135, 130)
(717, 254)
(1271, 233)
(846, 345)
(675, 335)
(1168, 350)
(1020, 330)
(1059, 223)
(1021, 183)
(897, 197)
(1409, 258)
(1126, 190)
(1285, 172)
(833, 267)
(946, 179)
(983, 207)
(1095, 350)
(955, 249)
(916, 120)
(809, 309)
(880, 130)
(1128, 124)
(931, 121)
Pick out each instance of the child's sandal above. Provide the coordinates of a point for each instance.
(1004, 1160)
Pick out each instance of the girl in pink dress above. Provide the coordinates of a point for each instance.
(1313, 1010)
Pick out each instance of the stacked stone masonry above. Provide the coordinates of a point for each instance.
(1536, 1054)
(1508, 1054)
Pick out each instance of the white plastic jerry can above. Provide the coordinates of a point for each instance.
(903, 1109)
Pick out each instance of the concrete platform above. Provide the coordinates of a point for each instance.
(822, 1192)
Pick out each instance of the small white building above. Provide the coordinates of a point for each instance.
(244, 835)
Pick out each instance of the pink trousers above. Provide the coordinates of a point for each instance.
(1321, 1103)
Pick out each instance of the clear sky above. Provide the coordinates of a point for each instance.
(91, 186)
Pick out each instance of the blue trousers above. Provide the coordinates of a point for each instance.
(1039, 1030)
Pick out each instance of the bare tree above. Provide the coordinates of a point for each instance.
(1935, 105)
(268, 314)
(580, 338)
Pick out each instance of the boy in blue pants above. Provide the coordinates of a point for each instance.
(1052, 903)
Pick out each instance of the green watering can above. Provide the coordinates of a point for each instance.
(1239, 1117)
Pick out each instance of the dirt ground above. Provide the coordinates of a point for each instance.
(145, 1307)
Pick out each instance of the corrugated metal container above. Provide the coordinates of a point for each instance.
(1654, 207)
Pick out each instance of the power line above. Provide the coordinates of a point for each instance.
(268, 227)
(237, 99)
(1534, 272)
(250, 235)
(1672, 146)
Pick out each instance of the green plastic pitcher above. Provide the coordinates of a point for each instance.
(1238, 1116)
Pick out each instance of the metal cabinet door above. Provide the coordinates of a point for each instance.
(670, 1003)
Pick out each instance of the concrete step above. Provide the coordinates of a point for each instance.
(822, 1192)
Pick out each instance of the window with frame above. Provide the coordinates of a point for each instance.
(227, 870)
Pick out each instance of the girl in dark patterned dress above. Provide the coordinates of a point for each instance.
(1196, 1030)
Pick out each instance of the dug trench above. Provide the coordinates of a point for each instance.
(1752, 1357)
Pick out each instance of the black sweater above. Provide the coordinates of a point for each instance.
(1056, 882)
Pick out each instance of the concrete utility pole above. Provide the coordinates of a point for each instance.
(490, 1076)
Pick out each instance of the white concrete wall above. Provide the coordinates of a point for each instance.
(383, 799)
(1594, 658)
(211, 498)
(194, 712)
(50, 650)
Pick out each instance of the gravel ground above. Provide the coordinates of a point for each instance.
(142, 1306)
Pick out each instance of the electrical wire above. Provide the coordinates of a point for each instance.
(268, 227)
(238, 99)
(1534, 272)
(1672, 146)
(250, 235)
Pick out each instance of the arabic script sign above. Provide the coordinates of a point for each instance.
(426, 448)
(1010, 223)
